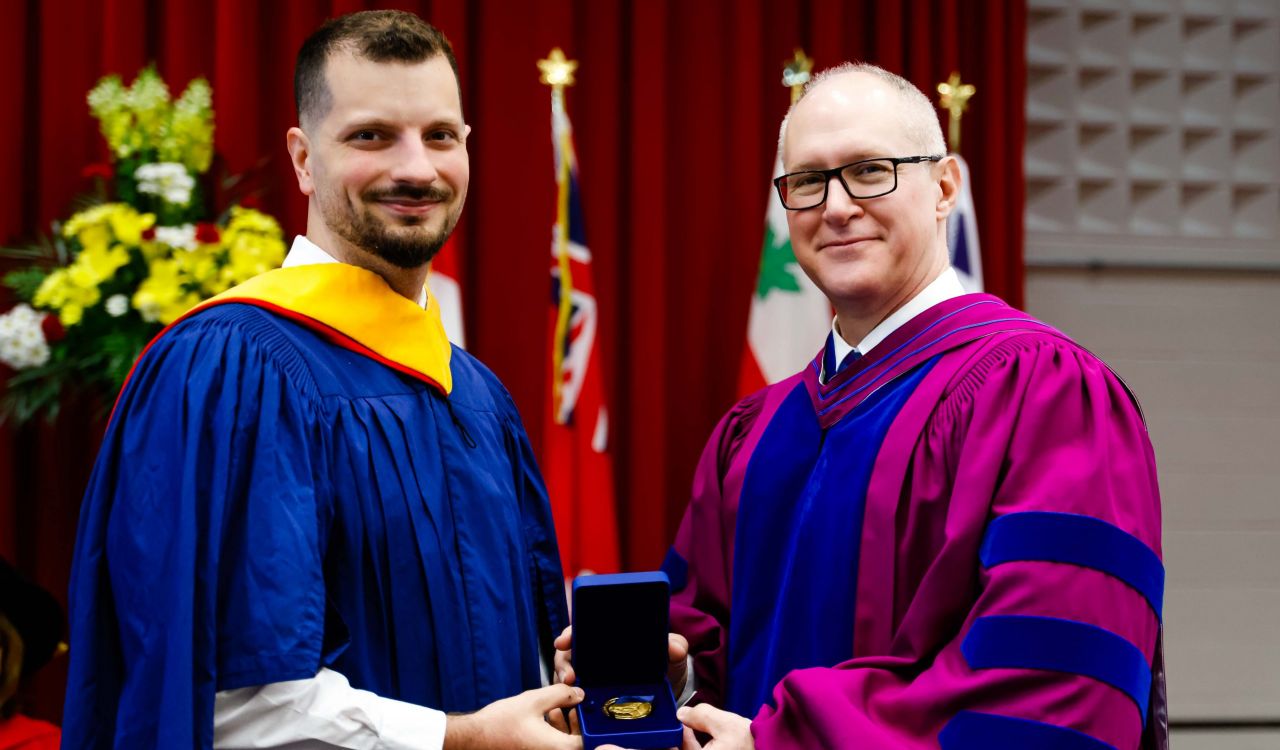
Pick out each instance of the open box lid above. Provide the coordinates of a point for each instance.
(620, 624)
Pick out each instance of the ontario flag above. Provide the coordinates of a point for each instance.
(790, 317)
(445, 281)
(576, 463)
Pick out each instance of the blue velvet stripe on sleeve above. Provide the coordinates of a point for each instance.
(970, 730)
(1076, 540)
(1050, 643)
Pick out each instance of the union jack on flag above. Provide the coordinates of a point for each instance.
(578, 469)
(575, 338)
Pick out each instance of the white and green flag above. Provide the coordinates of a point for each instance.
(790, 318)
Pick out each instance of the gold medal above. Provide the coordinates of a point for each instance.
(627, 707)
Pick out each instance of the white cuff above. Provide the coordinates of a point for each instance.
(321, 712)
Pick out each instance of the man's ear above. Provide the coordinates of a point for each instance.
(949, 183)
(299, 146)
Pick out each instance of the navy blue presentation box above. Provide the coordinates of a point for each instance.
(620, 630)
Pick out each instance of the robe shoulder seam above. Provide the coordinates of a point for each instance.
(261, 332)
(993, 353)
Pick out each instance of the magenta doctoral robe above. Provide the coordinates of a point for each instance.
(954, 543)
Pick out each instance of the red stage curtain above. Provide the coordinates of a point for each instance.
(675, 114)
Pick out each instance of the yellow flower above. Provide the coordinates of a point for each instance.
(97, 264)
(159, 291)
(142, 118)
(89, 217)
(94, 227)
(128, 225)
(107, 102)
(52, 293)
(61, 292)
(189, 136)
(178, 306)
(199, 265)
(254, 245)
(248, 220)
(70, 314)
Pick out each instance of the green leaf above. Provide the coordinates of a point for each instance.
(25, 281)
(775, 265)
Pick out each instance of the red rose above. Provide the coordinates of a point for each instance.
(207, 234)
(52, 329)
(100, 170)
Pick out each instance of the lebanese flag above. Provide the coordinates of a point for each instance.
(445, 280)
(790, 317)
(577, 466)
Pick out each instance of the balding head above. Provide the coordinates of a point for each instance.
(916, 115)
(869, 249)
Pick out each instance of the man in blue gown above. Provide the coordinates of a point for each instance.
(313, 522)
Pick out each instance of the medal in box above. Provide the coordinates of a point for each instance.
(620, 658)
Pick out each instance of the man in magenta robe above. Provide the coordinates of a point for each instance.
(945, 532)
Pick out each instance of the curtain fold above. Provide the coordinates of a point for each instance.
(675, 112)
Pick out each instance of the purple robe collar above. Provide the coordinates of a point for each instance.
(943, 327)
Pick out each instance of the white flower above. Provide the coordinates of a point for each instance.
(167, 179)
(117, 305)
(183, 236)
(22, 343)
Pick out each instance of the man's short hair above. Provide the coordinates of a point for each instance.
(919, 117)
(377, 35)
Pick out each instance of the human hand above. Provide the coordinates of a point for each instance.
(677, 665)
(728, 731)
(564, 657)
(519, 722)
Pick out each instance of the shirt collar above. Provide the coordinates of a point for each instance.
(304, 252)
(945, 287)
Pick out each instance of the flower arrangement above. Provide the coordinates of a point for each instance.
(133, 260)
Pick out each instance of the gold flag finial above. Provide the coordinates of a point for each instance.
(954, 97)
(557, 70)
(796, 73)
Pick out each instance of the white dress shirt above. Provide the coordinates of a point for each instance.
(941, 289)
(304, 252)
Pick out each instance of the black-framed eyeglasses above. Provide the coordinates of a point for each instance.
(868, 178)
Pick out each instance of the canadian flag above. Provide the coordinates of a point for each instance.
(790, 317)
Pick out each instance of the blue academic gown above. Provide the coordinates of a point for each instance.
(267, 502)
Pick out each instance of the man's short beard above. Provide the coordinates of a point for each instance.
(412, 249)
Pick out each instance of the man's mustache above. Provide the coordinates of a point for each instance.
(410, 192)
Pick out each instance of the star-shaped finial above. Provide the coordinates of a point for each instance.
(557, 70)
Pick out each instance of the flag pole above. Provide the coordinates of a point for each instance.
(557, 72)
(954, 97)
